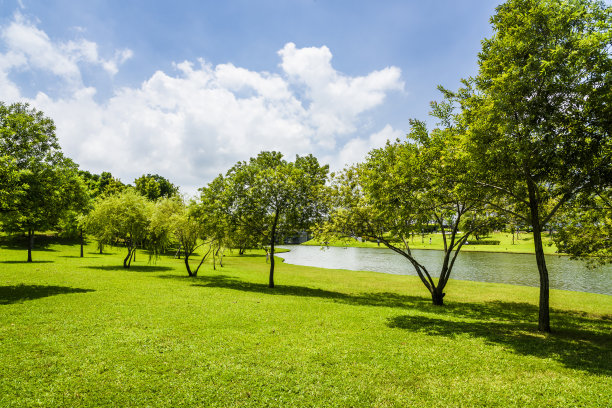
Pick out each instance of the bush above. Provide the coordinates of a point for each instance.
(483, 242)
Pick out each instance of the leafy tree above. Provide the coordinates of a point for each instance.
(585, 229)
(270, 197)
(540, 111)
(42, 184)
(404, 187)
(122, 218)
(155, 186)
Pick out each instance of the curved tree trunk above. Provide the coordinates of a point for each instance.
(544, 309)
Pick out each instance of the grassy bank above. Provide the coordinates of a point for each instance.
(521, 245)
(84, 332)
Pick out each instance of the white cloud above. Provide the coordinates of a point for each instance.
(34, 50)
(356, 149)
(198, 121)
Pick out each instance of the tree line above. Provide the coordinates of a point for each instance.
(524, 142)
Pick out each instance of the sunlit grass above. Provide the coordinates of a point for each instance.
(85, 332)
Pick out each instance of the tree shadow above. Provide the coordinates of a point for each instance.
(20, 293)
(25, 262)
(579, 340)
(133, 268)
(587, 348)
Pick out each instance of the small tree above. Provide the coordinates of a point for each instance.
(270, 197)
(122, 218)
(404, 187)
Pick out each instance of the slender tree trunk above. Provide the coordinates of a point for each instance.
(187, 265)
(544, 310)
(30, 244)
(127, 261)
(81, 235)
(272, 242)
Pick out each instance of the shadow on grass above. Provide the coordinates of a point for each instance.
(585, 348)
(20, 293)
(133, 268)
(579, 341)
(24, 262)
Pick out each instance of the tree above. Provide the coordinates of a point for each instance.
(404, 187)
(42, 184)
(585, 228)
(122, 218)
(540, 111)
(271, 197)
(155, 186)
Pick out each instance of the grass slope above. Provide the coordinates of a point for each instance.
(522, 245)
(84, 332)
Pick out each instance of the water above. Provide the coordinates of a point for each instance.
(516, 269)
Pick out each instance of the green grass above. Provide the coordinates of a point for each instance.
(522, 245)
(84, 332)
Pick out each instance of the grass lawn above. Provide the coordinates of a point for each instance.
(84, 332)
(523, 245)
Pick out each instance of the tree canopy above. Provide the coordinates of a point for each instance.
(42, 184)
(540, 110)
(269, 197)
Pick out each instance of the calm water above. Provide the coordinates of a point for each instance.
(517, 269)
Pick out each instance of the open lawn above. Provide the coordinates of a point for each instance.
(84, 332)
(522, 245)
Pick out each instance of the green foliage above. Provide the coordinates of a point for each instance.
(155, 186)
(585, 230)
(103, 184)
(404, 188)
(42, 184)
(123, 218)
(259, 202)
(539, 112)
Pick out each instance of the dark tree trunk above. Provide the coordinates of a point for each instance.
(127, 261)
(81, 235)
(187, 265)
(272, 242)
(30, 244)
(544, 310)
(437, 297)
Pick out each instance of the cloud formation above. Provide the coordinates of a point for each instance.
(193, 123)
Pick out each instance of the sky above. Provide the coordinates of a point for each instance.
(185, 89)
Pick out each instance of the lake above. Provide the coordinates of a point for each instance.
(516, 269)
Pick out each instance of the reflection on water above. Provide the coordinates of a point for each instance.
(517, 269)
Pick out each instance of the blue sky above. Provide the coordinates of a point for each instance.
(187, 88)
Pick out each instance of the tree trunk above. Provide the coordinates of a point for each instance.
(544, 309)
(127, 261)
(187, 265)
(81, 235)
(272, 242)
(30, 244)
(437, 297)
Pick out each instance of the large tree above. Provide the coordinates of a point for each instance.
(405, 187)
(540, 111)
(43, 184)
(271, 197)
